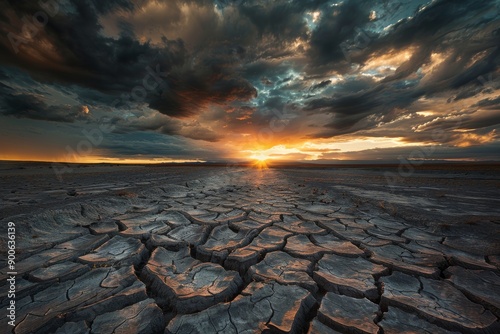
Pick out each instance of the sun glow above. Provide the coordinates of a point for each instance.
(260, 164)
(260, 160)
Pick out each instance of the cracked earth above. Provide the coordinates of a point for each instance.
(248, 251)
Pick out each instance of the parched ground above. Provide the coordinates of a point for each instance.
(239, 250)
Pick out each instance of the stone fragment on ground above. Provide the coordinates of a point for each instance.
(249, 224)
(261, 307)
(353, 277)
(67, 251)
(318, 327)
(175, 219)
(421, 235)
(480, 286)
(41, 312)
(58, 272)
(184, 235)
(268, 240)
(284, 269)
(263, 218)
(481, 242)
(348, 315)
(337, 246)
(117, 251)
(187, 284)
(438, 302)
(401, 259)
(231, 216)
(128, 296)
(221, 242)
(354, 234)
(144, 317)
(74, 328)
(144, 230)
(385, 234)
(454, 256)
(301, 246)
(396, 321)
(296, 225)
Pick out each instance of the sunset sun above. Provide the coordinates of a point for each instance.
(260, 160)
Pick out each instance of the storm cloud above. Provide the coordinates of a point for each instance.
(223, 73)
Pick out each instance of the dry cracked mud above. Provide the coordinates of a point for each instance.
(247, 251)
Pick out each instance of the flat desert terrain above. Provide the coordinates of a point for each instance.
(201, 249)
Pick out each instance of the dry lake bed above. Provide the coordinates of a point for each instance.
(135, 249)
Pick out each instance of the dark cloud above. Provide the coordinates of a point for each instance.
(166, 125)
(145, 145)
(321, 85)
(77, 52)
(210, 81)
(469, 121)
(494, 103)
(282, 19)
(107, 6)
(118, 66)
(444, 27)
(396, 154)
(272, 70)
(34, 107)
(207, 70)
(338, 25)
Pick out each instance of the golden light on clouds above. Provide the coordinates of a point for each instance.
(390, 60)
(316, 149)
(278, 152)
(426, 113)
(471, 139)
(315, 16)
(259, 156)
(431, 70)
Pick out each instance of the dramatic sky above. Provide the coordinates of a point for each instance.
(212, 80)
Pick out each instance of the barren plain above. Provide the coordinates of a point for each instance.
(200, 249)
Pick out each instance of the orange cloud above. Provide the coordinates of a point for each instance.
(471, 139)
